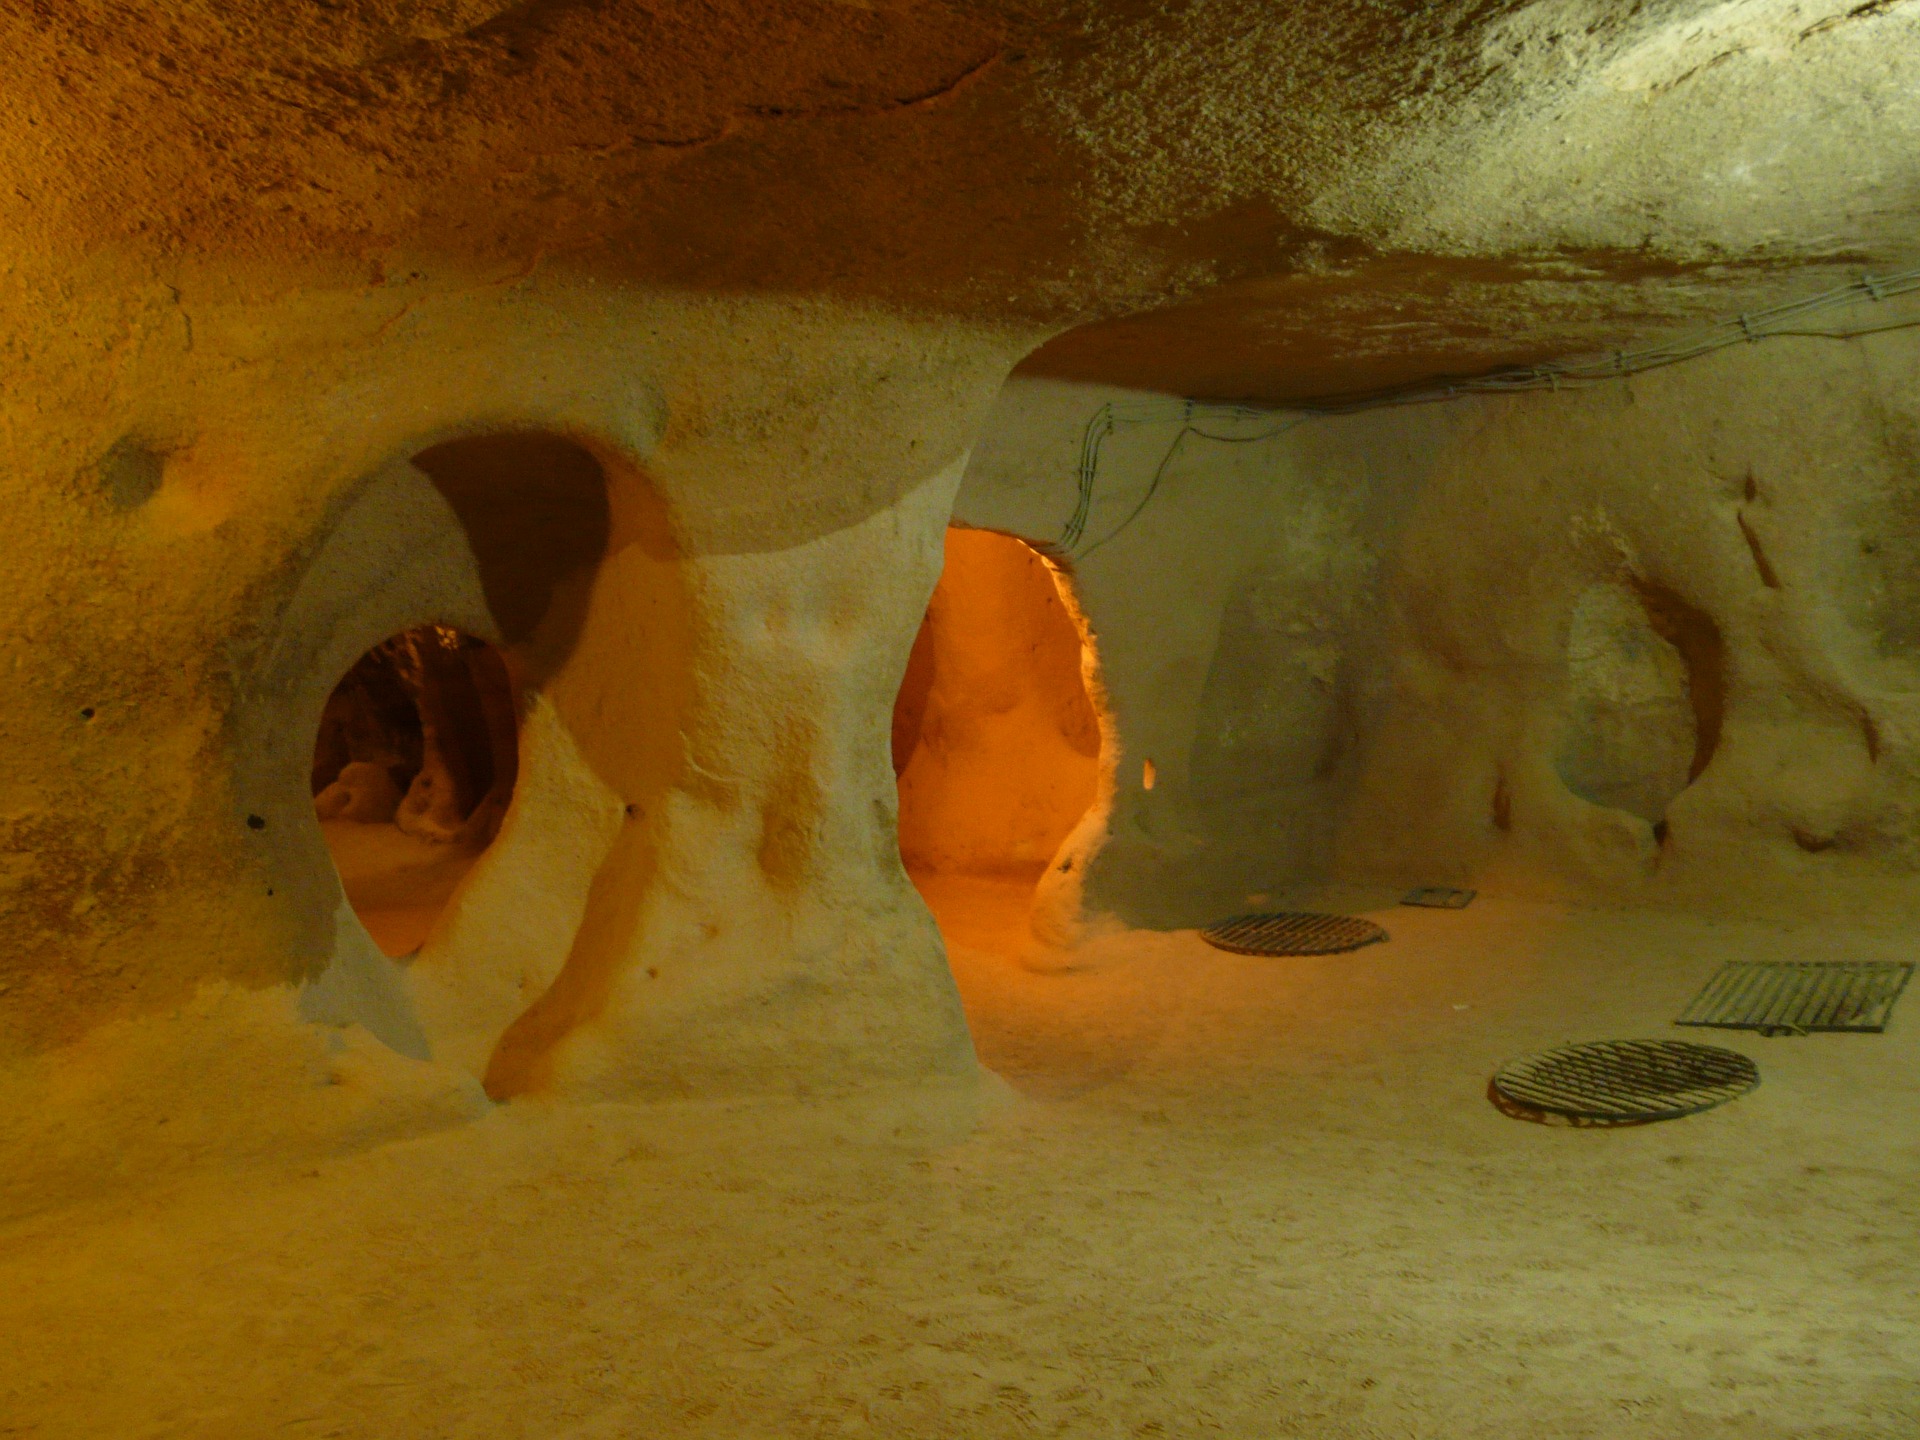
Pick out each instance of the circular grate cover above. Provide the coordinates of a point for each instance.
(1627, 1079)
(1292, 933)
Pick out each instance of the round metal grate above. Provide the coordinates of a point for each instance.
(1292, 933)
(1622, 1080)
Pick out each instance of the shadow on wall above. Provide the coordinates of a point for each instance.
(1278, 725)
(997, 741)
(535, 510)
(1646, 692)
(621, 692)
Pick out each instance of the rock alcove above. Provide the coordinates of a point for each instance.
(413, 771)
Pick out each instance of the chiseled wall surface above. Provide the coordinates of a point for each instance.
(1651, 642)
(255, 261)
(702, 869)
(1729, 547)
(1220, 608)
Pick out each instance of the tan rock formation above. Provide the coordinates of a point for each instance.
(1638, 642)
(651, 346)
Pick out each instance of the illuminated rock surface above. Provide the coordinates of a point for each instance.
(666, 351)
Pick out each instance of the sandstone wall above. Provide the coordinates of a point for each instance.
(212, 513)
(1648, 642)
(1217, 605)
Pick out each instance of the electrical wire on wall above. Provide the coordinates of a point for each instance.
(1200, 420)
(1109, 417)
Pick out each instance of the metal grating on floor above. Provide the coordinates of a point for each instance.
(1292, 933)
(1627, 1080)
(1796, 997)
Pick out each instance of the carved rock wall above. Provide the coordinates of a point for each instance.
(1642, 642)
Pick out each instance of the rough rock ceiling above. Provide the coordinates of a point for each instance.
(1249, 198)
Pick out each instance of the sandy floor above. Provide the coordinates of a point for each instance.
(397, 883)
(1222, 1196)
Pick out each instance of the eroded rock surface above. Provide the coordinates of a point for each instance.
(728, 297)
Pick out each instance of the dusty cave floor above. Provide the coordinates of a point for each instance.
(1219, 1196)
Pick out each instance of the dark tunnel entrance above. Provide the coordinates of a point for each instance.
(413, 769)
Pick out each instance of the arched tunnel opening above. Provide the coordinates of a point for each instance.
(413, 770)
(996, 735)
(437, 613)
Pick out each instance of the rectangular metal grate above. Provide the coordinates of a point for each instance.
(1796, 997)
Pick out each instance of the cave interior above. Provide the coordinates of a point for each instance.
(642, 637)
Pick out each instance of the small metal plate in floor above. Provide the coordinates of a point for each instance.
(1621, 1081)
(1292, 933)
(1440, 897)
(1796, 997)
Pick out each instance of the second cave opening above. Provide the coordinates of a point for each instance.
(413, 769)
(997, 736)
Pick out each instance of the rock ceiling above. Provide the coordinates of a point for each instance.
(1221, 197)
